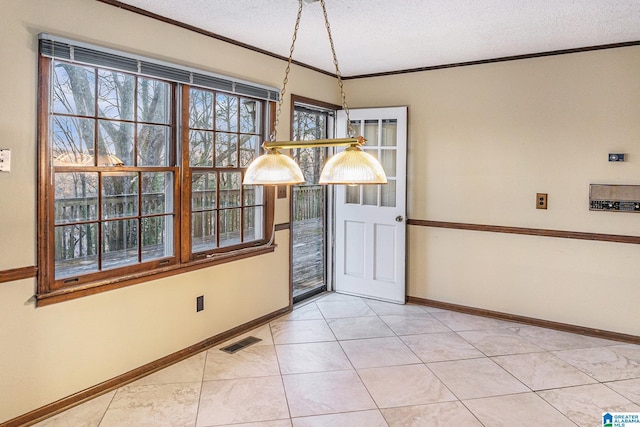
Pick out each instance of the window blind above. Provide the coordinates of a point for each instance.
(60, 48)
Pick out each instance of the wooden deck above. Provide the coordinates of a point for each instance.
(308, 255)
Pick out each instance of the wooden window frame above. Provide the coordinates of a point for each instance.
(50, 290)
(188, 252)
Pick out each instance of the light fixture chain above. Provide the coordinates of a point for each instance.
(286, 73)
(345, 107)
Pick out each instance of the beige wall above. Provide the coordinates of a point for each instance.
(483, 140)
(51, 352)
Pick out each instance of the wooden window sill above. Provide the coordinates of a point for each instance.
(74, 292)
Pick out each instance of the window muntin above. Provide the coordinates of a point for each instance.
(224, 135)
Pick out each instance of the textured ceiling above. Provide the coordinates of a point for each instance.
(373, 36)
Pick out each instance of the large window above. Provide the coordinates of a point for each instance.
(112, 151)
(224, 137)
(141, 175)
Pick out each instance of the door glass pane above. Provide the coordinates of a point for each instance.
(119, 243)
(311, 161)
(352, 194)
(76, 249)
(155, 188)
(371, 133)
(388, 161)
(156, 237)
(203, 190)
(229, 227)
(76, 197)
(389, 133)
(203, 231)
(309, 202)
(119, 195)
(370, 195)
(153, 145)
(308, 226)
(308, 234)
(388, 194)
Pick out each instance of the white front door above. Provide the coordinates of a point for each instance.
(370, 227)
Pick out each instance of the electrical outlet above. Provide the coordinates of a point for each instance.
(5, 160)
(199, 303)
(541, 200)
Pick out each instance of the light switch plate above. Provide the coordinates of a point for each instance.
(282, 191)
(5, 160)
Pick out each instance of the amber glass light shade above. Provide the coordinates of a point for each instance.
(353, 166)
(273, 168)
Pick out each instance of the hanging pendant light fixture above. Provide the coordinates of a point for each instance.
(273, 168)
(351, 166)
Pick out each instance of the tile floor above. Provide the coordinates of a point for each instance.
(346, 361)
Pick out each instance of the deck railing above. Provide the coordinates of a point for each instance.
(79, 239)
(308, 202)
(80, 213)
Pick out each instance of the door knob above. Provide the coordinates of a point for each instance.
(399, 218)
